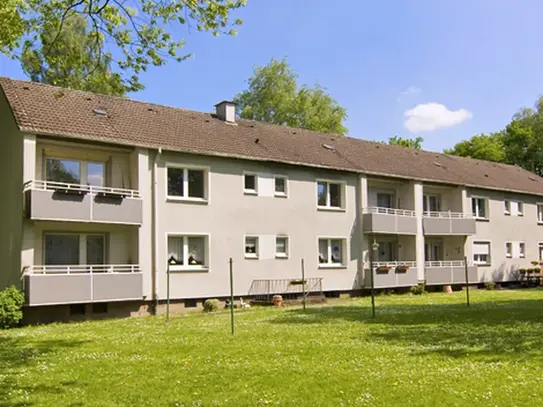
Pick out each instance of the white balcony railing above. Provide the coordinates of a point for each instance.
(393, 264)
(79, 188)
(448, 215)
(83, 269)
(388, 211)
(449, 263)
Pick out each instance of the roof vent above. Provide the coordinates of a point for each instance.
(533, 179)
(437, 164)
(226, 111)
(328, 147)
(256, 140)
(99, 112)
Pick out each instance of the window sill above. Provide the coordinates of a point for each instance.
(281, 256)
(332, 266)
(187, 200)
(520, 215)
(481, 219)
(250, 192)
(540, 222)
(251, 256)
(330, 209)
(178, 268)
(507, 213)
(280, 195)
(482, 264)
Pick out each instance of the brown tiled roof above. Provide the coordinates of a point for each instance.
(45, 109)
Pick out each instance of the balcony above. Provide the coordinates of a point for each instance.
(389, 274)
(449, 272)
(48, 285)
(448, 223)
(47, 200)
(389, 220)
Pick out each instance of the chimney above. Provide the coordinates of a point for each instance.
(226, 111)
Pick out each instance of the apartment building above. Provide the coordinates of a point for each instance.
(102, 195)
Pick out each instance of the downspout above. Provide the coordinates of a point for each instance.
(154, 214)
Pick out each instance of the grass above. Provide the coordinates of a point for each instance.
(420, 351)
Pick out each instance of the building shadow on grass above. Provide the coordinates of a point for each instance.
(18, 353)
(490, 331)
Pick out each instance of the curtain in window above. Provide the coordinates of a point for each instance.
(337, 251)
(175, 249)
(323, 251)
(196, 250)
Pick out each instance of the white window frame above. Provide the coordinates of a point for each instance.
(250, 191)
(257, 247)
(329, 264)
(189, 267)
(83, 169)
(539, 211)
(342, 191)
(486, 208)
(186, 197)
(507, 207)
(520, 208)
(280, 194)
(509, 250)
(82, 244)
(522, 253)
(287, 247)
(480, 263)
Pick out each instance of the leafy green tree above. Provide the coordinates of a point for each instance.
(273, 96)
(73, 59)
(483, 147)
(406, 142)
(139, 33)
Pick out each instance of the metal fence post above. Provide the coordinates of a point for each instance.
(467, 279)
(231, 294)
(303, 284)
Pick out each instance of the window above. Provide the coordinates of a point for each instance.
(187, 252)
(508, 249)
(540, 213)
(249, 184)
(75, 172)
(431, 203)
(507, 207)
(280, 186)
(329, 194)
(520, 209)
(478, 206)
(384, 200)
(251, 247)
(331, 252)
(281, 246)
(74, 249)
(187, 183)
(522, 250)
(481, 253)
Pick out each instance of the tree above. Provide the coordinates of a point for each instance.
(483, 147)
(73, 59)
(406, 142)
(139, 33)
(273, 96)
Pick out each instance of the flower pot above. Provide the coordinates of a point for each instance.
(277, 300)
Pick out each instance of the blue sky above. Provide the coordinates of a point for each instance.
(457, 67)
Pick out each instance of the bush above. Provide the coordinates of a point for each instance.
(490, 285)
(212, 305)
(522, 271)
(418, 289)
(11, 307)
(537, 270)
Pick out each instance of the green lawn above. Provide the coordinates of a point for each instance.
(420, 351)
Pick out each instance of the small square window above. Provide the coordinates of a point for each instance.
(331, 252)
(522, 250)
(281, 246)
(539, 213)
(508, 249)
(187, 183)
(520, 209)
(249, 183)
(507, 207)
(330, 194)
(478, 206)
(251, 247)
(280, 186)
(481, 253)
(187, 252)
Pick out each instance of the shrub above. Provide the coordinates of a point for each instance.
(535, 263)
(11, 307)
(522, 271)
(537, 270)
(212, 305)
(418, 289)
(490, 285)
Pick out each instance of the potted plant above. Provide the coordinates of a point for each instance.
(383, 269)
(402, 269)
(298, 282)
(522, 271)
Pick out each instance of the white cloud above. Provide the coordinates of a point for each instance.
(412, 90)
(433, 116)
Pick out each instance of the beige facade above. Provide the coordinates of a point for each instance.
(130, 226)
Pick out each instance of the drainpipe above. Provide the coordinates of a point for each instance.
(154, 215)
